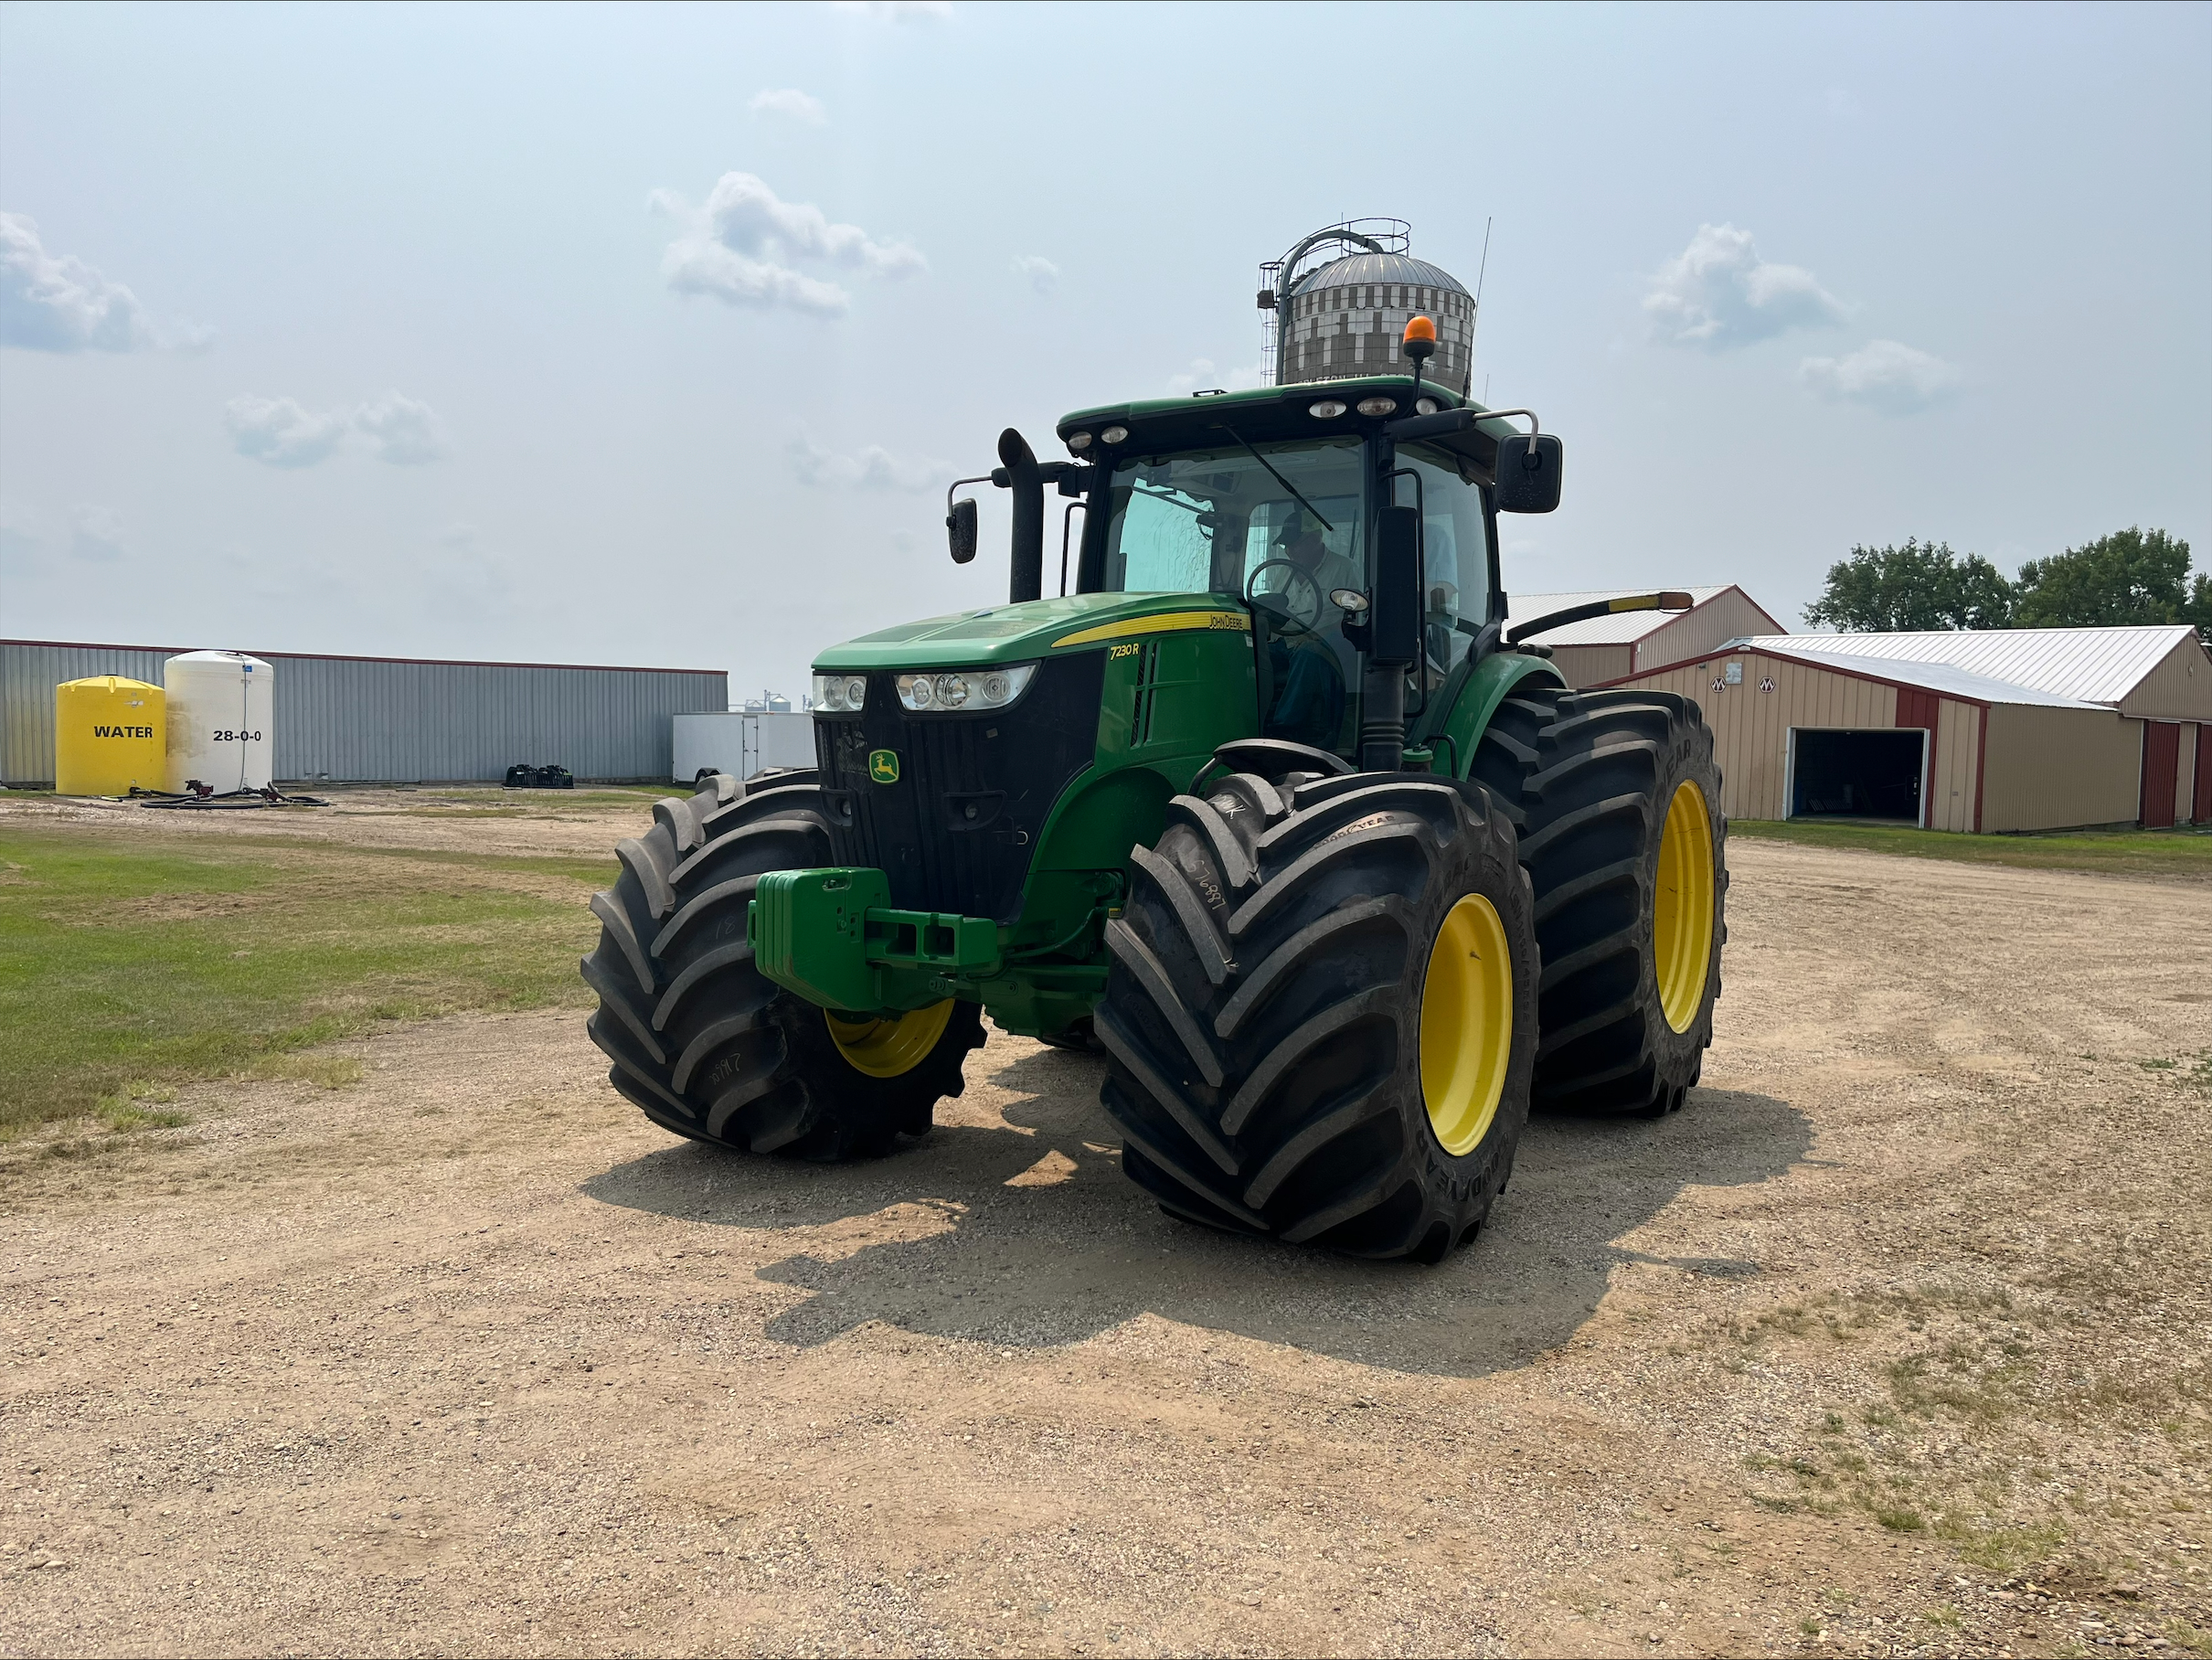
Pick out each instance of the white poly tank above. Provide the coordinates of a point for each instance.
(221, 706)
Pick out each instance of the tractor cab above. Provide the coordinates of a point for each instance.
(1270, 498)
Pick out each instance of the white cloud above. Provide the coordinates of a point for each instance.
(1204, 376)
(740, 247)
(1043, 274)
(748, 218)
(400, 431)
(278, 432)
(1718, 293)
(1885, 376)
(789, 103)
(696, 265)
(875, 468)
(96, 535)
(52, 303)
(897, 11)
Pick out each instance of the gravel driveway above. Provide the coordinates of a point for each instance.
(1894, 1340)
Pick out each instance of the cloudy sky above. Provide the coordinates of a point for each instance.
(638, 336)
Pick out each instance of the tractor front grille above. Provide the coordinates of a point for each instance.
(956, 830)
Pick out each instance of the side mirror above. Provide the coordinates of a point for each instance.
(959, 529)
(1528, 473)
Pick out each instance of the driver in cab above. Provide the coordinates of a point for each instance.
(1309, 677)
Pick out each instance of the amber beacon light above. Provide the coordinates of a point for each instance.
(1418, 343)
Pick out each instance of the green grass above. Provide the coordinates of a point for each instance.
(129, 966)
(2001, 1549)
(2184, 852)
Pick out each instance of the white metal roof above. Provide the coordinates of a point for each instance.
(1622, 628)
(2096, 664)
(1939, 677)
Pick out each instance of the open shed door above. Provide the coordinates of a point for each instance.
(1866, 773)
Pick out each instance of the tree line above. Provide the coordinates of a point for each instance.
(2133, 576)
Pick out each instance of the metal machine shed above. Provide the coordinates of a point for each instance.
(1606, 648)
(395, 719)
(1816, 725)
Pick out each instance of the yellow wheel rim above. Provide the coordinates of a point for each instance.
(1682, 907)
(1466, 1023)
(885, 1048)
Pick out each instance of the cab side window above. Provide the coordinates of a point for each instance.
(1456, 539)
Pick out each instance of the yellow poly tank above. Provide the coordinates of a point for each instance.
(109, 734)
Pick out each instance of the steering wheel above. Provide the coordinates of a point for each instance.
(1296, 619)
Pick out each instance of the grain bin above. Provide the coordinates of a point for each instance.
(109, 735)
(1345, 317)
(221, 709)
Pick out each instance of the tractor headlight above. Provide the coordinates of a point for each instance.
(841, 694)
(1079, 441)
(990, 689)
(1328, 408)
(1113, 435)
(1378, 406)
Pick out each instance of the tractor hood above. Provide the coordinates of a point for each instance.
(1035, 628)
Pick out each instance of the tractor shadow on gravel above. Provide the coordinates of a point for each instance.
(1028, 1236)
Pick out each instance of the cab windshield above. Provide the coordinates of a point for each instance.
(1205, 521)
(1283, 526)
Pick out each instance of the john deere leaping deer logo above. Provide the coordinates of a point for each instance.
(883, 766)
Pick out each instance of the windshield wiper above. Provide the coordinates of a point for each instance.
(1173, 498)
(1277, 476)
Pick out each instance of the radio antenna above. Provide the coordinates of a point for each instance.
(1475, 322)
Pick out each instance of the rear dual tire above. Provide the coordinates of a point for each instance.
(1615, 796)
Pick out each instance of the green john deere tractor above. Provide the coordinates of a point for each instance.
(1267, 805)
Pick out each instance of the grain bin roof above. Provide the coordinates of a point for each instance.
(1618, 629)
(1363, 268)
(2100, 666)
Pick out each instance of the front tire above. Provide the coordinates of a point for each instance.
(1319, 1011)
(705, 1045)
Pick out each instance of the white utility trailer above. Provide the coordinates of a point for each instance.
(740, 742)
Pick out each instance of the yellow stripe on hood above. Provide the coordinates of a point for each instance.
(1167, 623)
